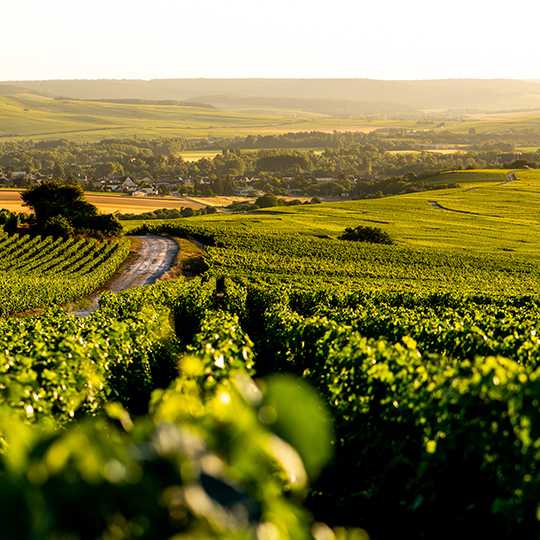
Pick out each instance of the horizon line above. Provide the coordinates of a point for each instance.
(255, 78)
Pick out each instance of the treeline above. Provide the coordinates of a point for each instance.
(169, 213)
(423, 135)
(158, 158)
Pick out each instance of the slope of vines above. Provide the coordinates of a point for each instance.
(39, 271)
(307, 261)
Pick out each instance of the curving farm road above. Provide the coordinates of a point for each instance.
(155, 257)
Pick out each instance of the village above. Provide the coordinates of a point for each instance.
(176, 186)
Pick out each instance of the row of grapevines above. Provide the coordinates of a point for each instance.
(58, 367)
(442, 427)
(216, 457)
(36, 272)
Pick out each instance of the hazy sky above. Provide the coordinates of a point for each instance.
(387, 39)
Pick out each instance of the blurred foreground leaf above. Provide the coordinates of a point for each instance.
(294, 412)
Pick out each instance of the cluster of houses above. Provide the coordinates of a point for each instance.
(136, 187)
(176, 186)
(20, 178)
(146, 186)
(140, 187)
(128, 185)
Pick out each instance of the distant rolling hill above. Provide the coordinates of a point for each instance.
(93, 110)
(24, 115)
(347, 96)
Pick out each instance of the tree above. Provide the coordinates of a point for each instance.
(61, 209)
(105, 225)
(187, 212)
(5, 216)
(282, 163)
(9, 221)
(109, 168)
(58, 171)
(52, 199)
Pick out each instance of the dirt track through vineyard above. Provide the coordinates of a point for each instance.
(154, 258)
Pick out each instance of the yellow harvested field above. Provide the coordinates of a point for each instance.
(11, 200)
(195, 155)
(218, 200)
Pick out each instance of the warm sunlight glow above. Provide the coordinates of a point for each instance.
(387, 39)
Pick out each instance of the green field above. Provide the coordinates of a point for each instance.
(485, 215)
(497, 122)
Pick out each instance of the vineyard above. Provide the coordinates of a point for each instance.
(300, 387)
(36, 271)
(307, 261)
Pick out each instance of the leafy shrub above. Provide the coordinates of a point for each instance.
(187, 212)
(242, 207)
(362, 233)
(103, 226)
(267, 201)
(5, 216)
(201, 466)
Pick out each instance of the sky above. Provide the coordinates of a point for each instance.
(379, 39)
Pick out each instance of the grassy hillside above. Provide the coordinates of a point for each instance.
(486, 215)
(38, 117)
